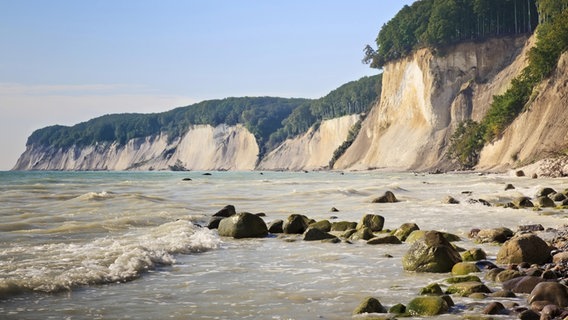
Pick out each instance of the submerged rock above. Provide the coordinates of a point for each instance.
(374, 222)
(369, 305)
(296, 224)
(276, 226)
(387, 197)
(243, 225)
(227, 211)
(315, 234)
(405, 230)
(384, 240)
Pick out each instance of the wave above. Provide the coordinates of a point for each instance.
(63, 266)
(103, 195)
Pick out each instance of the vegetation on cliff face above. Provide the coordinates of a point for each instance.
(552, 41)
(438, 23)
(270, 119)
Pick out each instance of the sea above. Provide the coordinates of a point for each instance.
(132, 245)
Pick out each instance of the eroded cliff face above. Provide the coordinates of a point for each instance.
(312, 150)
(539, 132)
(203, 147)
(425, 96)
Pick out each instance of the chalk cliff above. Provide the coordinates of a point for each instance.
(425, 96)
(203, 147)
(312, 150)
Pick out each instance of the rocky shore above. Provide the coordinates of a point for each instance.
(527, 280)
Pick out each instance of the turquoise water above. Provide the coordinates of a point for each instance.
(87, 245)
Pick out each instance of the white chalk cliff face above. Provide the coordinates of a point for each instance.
(312, 150)
(203, 147)
(424, 97)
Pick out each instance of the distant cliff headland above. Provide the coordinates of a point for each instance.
(465, 84)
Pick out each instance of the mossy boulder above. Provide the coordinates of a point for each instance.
(343, 225)
(388, 239)
(405, 230)
(419, 234)
(432, 253)
(323, 225)
(427, 306)
(362, 234)
(465, 289)
(398, 308)
(475, 254)
(464, 268)
(431, 289)
(369, 305)
(296, 224)
(374, 222)
(468, 278)
(243, 225)
(524, 248)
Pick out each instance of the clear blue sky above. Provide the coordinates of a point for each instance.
(66, 61)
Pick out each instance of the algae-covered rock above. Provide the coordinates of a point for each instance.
(398, 308)
(384, 240)
(432, 253)
(475, 254)
(419, 234)
(362, 234)
(431, 289)
(343, 225)
(464, 268)
(468, 278)
(465, 289)
(243, 225)
(369, 305)
(374, 222)
(323, 225)
(427, 306)
(405, 230)
(525, 248)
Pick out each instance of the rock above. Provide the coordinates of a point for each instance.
(544, 192)
(525, 284)
(534, 176)
(545, 202)
(431, 289)
(495, 308)
(315, 234)
(296, 224)
(523, 202)
(186, 179)
(524, 248)
(468, 278)
(427, 306)
(560, 257)
(348, 233)
(214, 222)
(465, 289)
(343, 225)
(493, 273)
(384, 240)
(243, 225)
(551, 311)
(433, 253)
(464, 268)
(374, 222)
(398, 308)
(499, 235)
(552, 292)
(530, 228)
(450, 200)
(334, 209)
(388, 197)
(369, 305)
(475, 254)
(362, 234)
(323, 225)
(419, 234)
(276, 226)
(509, 187)
(404, 230)
(529, 315)
(520, 173)
(480, 201)
(507, 275)
(227, 211)
(503, 294)
(558, 197)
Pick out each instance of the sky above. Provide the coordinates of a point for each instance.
(67, 61)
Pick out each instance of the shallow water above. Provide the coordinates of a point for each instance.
(87, 245)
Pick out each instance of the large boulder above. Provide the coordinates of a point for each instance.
(545, 202)
(432, 253)
(464, 268)
(466, 289)
(296, 224)
(524, 248)
(323, 225)
(243, 225)
(374, 222)
(524, 284)
(499, 235)
(550, 292)
(362, 234)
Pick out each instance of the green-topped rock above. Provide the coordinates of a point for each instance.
(418, 234)
(343, 225)
(384, 240)
(369, 305)
(465, 289)
(431, 289)
(427, 306)
(374, 222)
(405, 230)
(468, 278)
(475, 254)
(362, 234)
(398, 308)
(432, 253)
(464, 268)
(323, 225)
